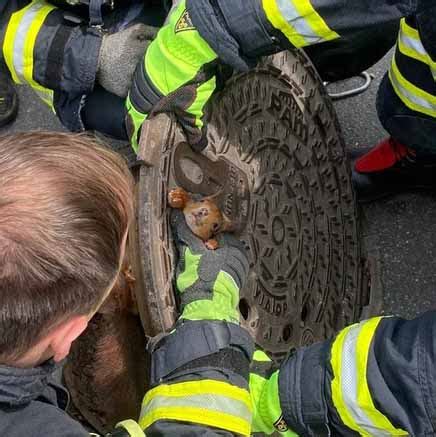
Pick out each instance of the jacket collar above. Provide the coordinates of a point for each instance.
(20, 386)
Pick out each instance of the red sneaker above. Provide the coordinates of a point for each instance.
(391, 167)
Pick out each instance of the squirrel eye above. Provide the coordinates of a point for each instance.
(215, 226)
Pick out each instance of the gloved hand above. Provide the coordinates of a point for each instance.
(177, 74)
(208, 280)
(119, 55)
(265, 401)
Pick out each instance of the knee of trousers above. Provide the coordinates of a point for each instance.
(411, 128)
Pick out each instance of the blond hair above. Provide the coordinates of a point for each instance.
(65, 205)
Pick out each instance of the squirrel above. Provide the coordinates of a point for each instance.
(203, 216)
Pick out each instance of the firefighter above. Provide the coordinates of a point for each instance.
(66, 56)
(406, 105)
(238, 32)
(77, 55)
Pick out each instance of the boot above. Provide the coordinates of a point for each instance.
(389, 168)
(8, 97)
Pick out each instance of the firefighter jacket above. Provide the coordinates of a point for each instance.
(33, 404)
(375, 378)
(242, 30)
(53, 52)
(199, 381)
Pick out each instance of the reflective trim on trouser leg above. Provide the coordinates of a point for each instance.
(409, 43)
(205, 402)
(413, 97)
(350, 390)
(19, 45)
(298, 21)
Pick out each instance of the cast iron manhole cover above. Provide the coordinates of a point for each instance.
(277, 164)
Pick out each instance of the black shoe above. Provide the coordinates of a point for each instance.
(390, 168)
(8, 98)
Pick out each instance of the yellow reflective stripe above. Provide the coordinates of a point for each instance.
(204, 92)
(131, 427)
(407, 50)
(206, 402)
(260, 355)
(29, 46)
(410, 86)
(298, 21)
(350, 391)
(413, 97)
(336, 384)
(206, 386)
(409, 43)
(316, 22)
(364, 398)
(408, 30)
(209, 402)
(198, 416)
(19, 44)
(276, 19)
(8, 43)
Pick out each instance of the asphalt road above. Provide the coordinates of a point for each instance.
(400, 230)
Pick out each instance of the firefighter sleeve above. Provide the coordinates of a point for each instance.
(53, 53)
(376, 378)
(242, 30)
(200, 372)
(199, 381)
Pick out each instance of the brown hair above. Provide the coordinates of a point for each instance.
(65, 205)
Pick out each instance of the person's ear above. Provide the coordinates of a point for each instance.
(63, 335)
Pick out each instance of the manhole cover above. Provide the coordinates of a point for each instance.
(276, 162)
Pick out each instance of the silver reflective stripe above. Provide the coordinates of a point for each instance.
(294, 18)
(413, 98)
(212, 402)
(350, 382)
(413, 44)
(20, 37)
